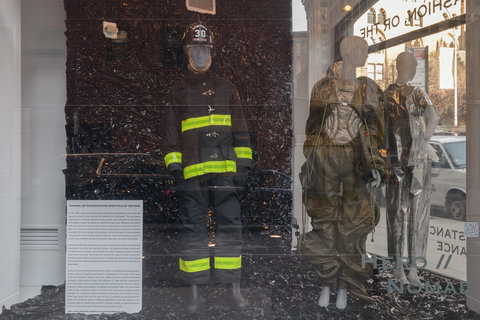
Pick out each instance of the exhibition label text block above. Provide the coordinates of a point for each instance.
(104, 256)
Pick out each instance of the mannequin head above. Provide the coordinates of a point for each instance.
(198, 47)
(406, 67)
(354, 51)
(199, 58)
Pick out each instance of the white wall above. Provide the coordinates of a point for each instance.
(301, 106)
(10, 154)
(43, 136)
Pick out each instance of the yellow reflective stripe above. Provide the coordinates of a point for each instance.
(195, 265)
(209, 167)
(211, 120)
(243, 152)
(228, 263)
(173, 157)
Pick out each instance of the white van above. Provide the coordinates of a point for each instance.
(449, 176)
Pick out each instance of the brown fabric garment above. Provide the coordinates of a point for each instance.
(338, 201)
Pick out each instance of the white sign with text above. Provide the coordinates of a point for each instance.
(446, 247)
(420, 79)
(104, 256)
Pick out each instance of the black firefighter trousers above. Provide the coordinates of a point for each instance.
(195, 197)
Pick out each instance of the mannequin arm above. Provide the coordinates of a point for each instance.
(432, 121)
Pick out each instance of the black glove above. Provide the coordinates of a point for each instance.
(240, 179)
(177, 176)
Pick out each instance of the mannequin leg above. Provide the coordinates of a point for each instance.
(319, 247)
(420, 215)
(194, 256)
(194, 299)
(395, 223)
(413, 275)
(236, 299)
(324, 297)
(228, 240)
(341, 298)
(354, 224)
(399, 275)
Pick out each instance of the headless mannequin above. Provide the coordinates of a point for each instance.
(354, 52)
(406, 69)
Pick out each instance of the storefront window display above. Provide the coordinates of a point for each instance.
(274, 159)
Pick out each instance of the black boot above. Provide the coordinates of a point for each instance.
(236, 299)
(194, 300)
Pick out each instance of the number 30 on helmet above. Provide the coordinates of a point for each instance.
(198, 34)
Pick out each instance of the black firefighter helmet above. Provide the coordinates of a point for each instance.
(198, 34)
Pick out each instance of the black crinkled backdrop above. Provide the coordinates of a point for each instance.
(124, 86)
(116, 96)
